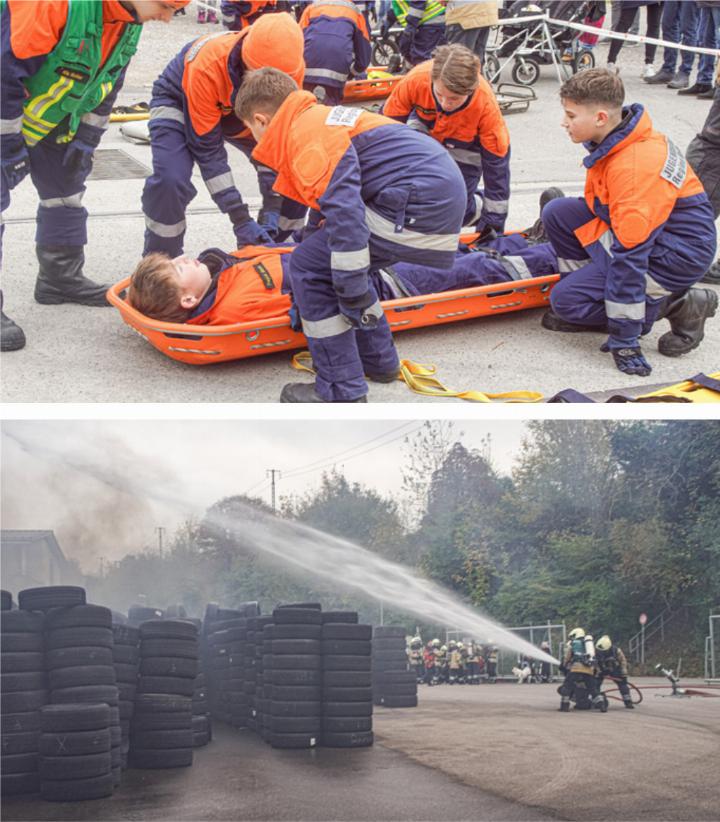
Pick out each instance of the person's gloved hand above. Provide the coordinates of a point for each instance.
(295, 318)
(270, 221)
(15, 159)
(250, 233)
(628, 356)
(356, 311)
(405, 41)
(78, 157)
(486, 233)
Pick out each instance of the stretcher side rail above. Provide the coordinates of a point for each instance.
(190, 343)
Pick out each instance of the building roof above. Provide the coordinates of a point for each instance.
(10, 535)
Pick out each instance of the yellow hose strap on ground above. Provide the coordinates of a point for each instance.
(127, 118)
(422, 380)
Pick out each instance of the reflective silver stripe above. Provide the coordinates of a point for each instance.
(97, 120)
(418, 125)
(465, 156)
(350, 260)
(11, 126)
(654, 289)
(375, 310)
(478, 199)
(496, 206)
(163, 229)
(220, 183)
(345, 3)
(520, 266)
(265, 169)
(385, 229)
(565, 265)
(329, 327)
(73, 201)
(606, 241)
(167, 113)
(288, 224)
(413, 12)
(329, 74)
(625, 311)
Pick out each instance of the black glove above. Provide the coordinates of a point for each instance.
(15, 160)
(629, 360)
(356, 310)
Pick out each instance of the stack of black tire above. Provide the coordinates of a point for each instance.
(75, 752)
(346, 681)
(230, 646)
(126, 658)
(79, 656)
(137, 614)
(161, 733)
(258, 704)
(293, 668)
(201, 724)
(394, 682)
(23, 694)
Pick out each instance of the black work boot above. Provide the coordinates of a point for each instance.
(687, 314)
(564, 707)
(552, 322)
(628, 704)
(60, 279)
(712, 275)
(305, 392)
(12, 337)
(536, 233)
(388, 376)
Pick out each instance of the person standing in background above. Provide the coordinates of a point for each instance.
(629, 10)
(469, 24)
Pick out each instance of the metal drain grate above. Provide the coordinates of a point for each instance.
(114, 164)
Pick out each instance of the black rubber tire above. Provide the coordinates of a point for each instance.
(17, 784)
(224, 614)
(343, 662)
(349, 647)
(125, 634)
(126, 691)
(399, 701)
(295, 662)
(295, 724)
(311, 606)
(297, 677)
(347, 617)
(355, 739)
(22, 622)
(296, 646)
(348, 694)
(288, 708)
(397, 690)
(396, 678)
(162, 703)
(295, 693)
(74, 767)
(19, 743)
(347, 724)
(82, 655)
(389, 630)
(20, 763)
(347, 631)
(80, 616)
(185, 648)
(525, 73)
(178, 721)
(22, 701)
(289, 740)
(21, 722)
(71, 637)
(201, 739)
(77, 717)
(296, 616)
(126, 673)
(397, 657)
(239, 623)
(390, 643)
(50, 596)
(74, 743)
(163, 739)
(168, 629)
(174, 758)
(86, 693)
(182, 686)
(126, 655)
(6, 600)
(347, 709)
(347, 679)
(76, 790)
(79, 675)
(21, 642)
(141, 613)
(175, 666)
(295, 632)
(23, 662)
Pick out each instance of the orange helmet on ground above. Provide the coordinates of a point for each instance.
(276, 40)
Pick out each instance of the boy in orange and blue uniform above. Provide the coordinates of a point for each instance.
(239, 14)
(644, 233)
(449, 99)
(191, 119)
(337, 47)
(63, 64)
(386, 194)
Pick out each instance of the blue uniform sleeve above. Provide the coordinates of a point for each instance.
(343, 208)
(416, 9)
(496, 189)
(625, 290)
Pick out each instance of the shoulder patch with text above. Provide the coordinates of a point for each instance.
(343, 116)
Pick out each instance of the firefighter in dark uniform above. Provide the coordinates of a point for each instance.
(415, 657)
(579, 669)
(611, 662)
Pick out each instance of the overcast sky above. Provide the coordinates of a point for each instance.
(105, 486)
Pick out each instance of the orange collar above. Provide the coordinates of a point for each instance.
(115, 12)
(271, 150)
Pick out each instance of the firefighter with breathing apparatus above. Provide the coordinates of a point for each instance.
(579, 669)
(611, 662)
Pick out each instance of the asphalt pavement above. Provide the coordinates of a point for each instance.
(80, 354)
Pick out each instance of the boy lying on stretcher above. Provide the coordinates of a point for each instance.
(253, 283)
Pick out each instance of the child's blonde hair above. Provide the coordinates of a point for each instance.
(154, 290)
(457, 68)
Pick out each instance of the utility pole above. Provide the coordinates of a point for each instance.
(270, 472)
(160, 531)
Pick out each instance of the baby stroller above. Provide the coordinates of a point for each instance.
(536, 43)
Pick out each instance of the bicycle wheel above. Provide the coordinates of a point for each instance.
(525, 72)
(583, 61)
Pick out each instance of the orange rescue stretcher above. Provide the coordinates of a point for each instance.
(203, 344)
(377, 86)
